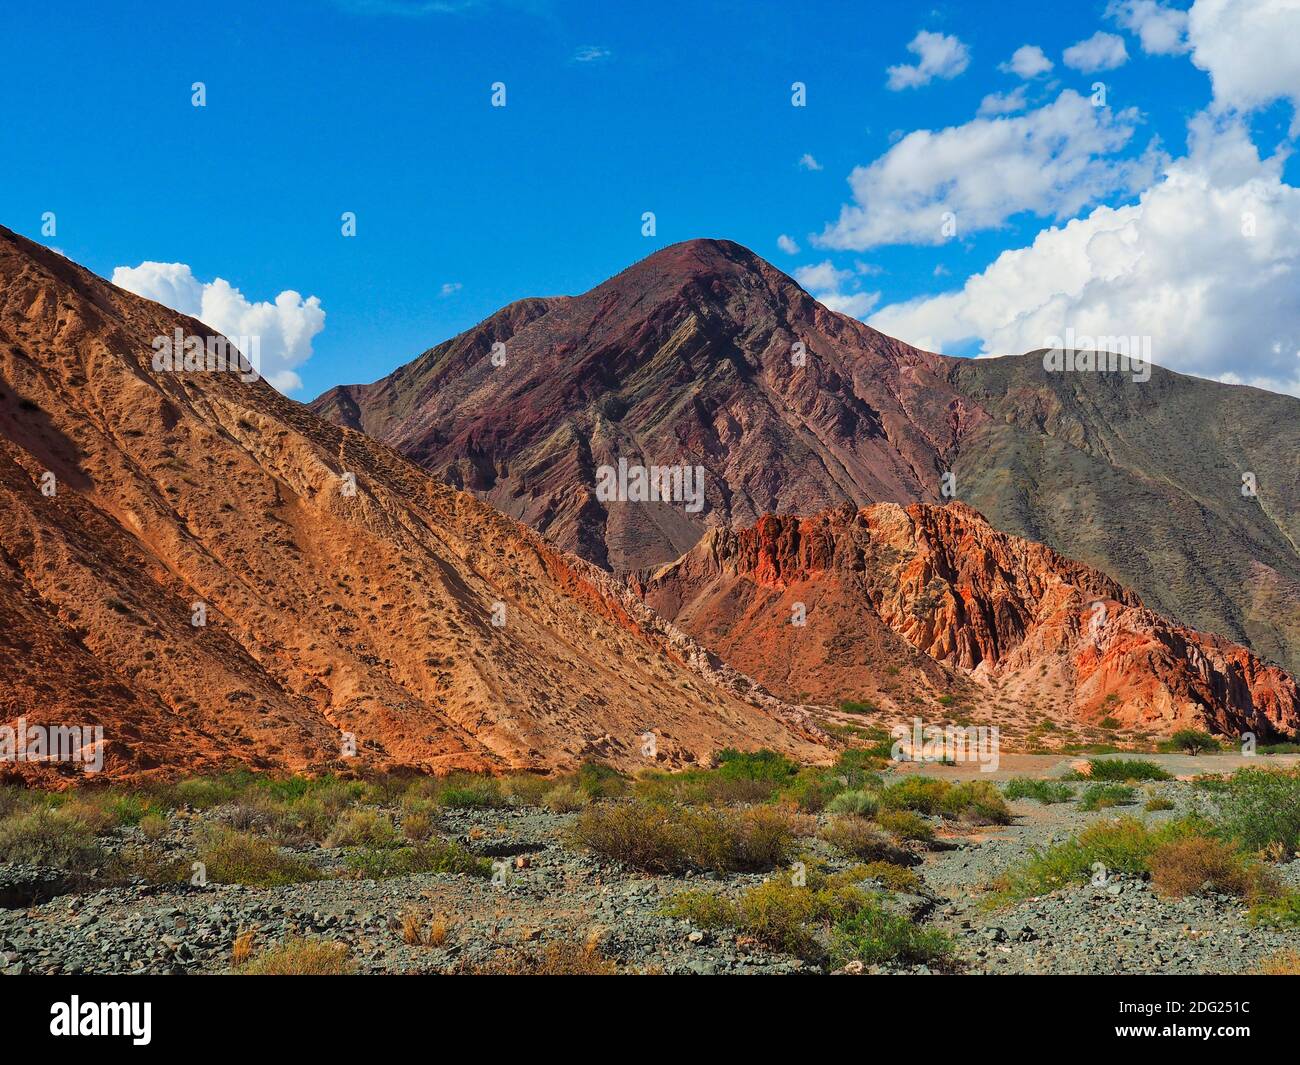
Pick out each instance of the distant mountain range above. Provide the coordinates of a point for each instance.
(704, 354)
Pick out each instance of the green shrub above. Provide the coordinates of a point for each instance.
(813, 788)
(796, 919)
(42, 836)
(976, 802)
(430, 856)
(599, 781)
(852, 706)
(1123, 845)
(527, 789)
(1260, 809)
(858, 769)
(202, 793)
(702, 787)
(905, 824)
(892, 876)
(364, 828)
(755, 765)
(1281, 911)
(1046, 792)
(1126, 769)
(148, 864)
(565, 799)
(862, 803)
(1156, 803)
(873, 935)
(923, 794)
(675, 839)
(1105, 796)
(231, 857)
(704, 909)
(859, 838)
(1193, 741)
(463, 791)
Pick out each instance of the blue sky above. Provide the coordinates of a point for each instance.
(382, 108)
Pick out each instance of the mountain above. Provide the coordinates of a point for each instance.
(909, 607)
(214, 575)
(687, 357)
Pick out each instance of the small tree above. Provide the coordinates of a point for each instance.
(1192, 740)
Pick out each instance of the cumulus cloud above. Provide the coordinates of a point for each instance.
(1027, 61)
(450, 288)
(807, 162)
(286, 326)
(1206, 263)
(1004, 103)
(787, 244)
(1161, 30)
(837, 289)
(940, 55)
(1101, 51)
(1248, 47)
(1052, 161)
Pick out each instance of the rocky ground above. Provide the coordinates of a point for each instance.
(1121, 926)
(552, 892)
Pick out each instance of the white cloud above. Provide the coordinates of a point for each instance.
(1027, 61)
(1101, 51)
(807, 162)
(1004, 103)
(940, 56)
(1207, 264)
(286, 326)
(1249, 49)
(1051, 161)
(836, 289)
(787, 245)
(450, 288)
(1161, 30)
(591, 53)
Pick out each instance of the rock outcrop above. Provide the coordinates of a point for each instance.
(831, 606)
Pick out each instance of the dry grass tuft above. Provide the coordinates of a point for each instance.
(301, 957)
(242, 949)
(1284, 963)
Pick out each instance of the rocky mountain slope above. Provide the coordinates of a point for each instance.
(689, 356)
(887, 602)
(686, 356)
(344, 596)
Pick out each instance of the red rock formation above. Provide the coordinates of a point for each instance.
(997, 618)
(326, 613)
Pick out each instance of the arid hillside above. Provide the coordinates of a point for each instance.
(887, 604)
(213, 574)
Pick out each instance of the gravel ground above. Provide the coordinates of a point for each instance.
(1121, 927)
(554, 893)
